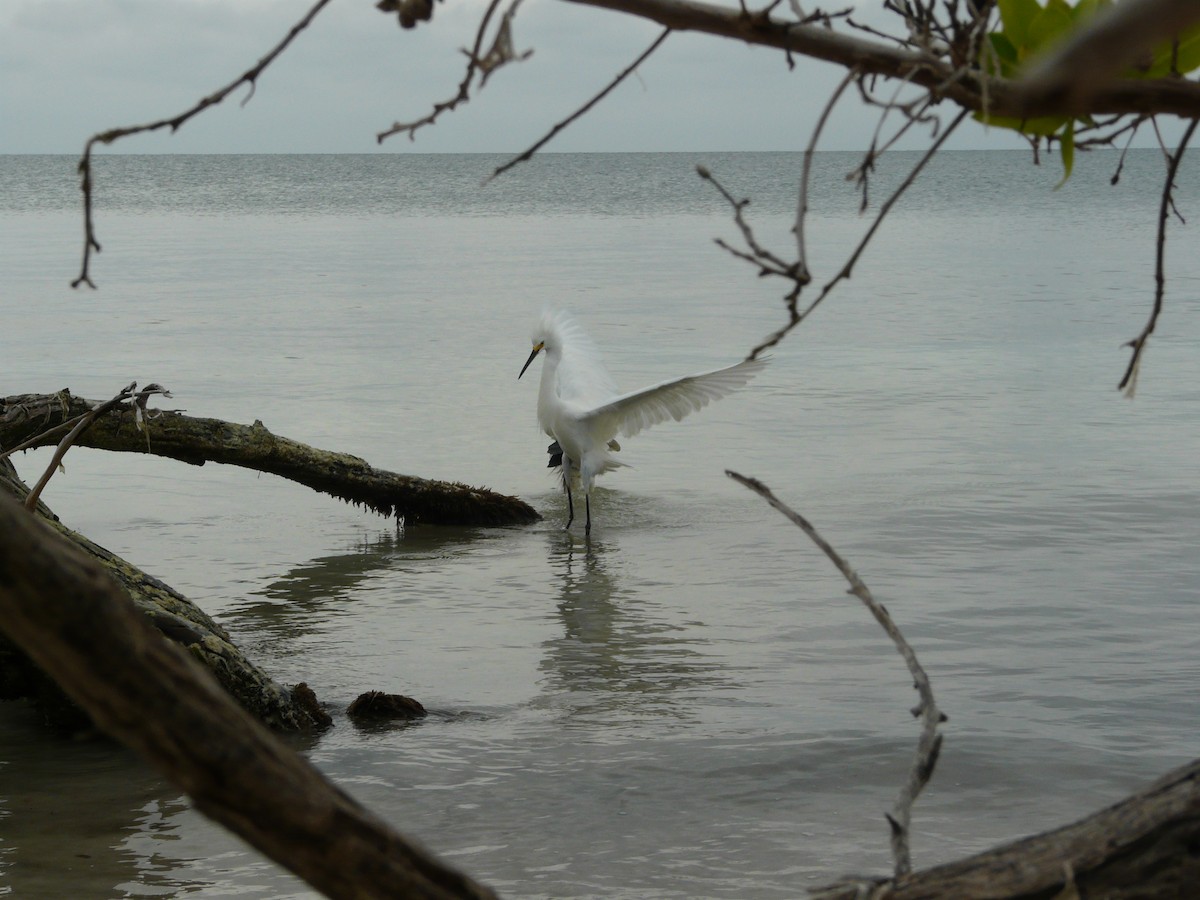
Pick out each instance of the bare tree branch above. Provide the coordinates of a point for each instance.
(249, 77)
(550, 135)
(806, 171)
(795, 315)
(759, 256)
(197, 441)
(478, 62)
(968, 89)
(83, 630)
(1144, 846)
(1129, 380)
(930, 742)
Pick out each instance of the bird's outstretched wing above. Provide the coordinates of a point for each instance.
(630, 413)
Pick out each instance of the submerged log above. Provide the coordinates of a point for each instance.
(197, 440)
(176, 617)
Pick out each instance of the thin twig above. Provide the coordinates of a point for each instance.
(795, 317)
(474, 59)
(249, 77)
(1129, 381)
(82, 423)
(806, 170)
(39, 440)
(553, 132)
(914, 114)
(930, 742)
(759, 256)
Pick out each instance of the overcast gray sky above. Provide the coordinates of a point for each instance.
(69, 68)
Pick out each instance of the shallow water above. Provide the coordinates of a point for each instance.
(688, 704)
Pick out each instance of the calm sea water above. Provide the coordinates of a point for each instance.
(688, 704)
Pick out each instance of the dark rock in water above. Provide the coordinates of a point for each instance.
(377, 705)
(556, 454)
(304, 697)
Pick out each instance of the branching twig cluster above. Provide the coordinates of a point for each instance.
(769, 264)
(128, 395)
(480, 65)
(930, 742)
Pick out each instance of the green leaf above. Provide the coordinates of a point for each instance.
(1188, 57)
(1067, 143)
(1015, 17)
(1043, 126)
(1087, 8)
(1005, 52)
(1048, 26)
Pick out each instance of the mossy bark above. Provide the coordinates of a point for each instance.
(60, 604)
(175, 616)
(198, 441)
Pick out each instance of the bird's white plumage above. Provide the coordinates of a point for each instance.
(630, 413)
(580, 408)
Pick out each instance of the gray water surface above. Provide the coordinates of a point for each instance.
(688, 704)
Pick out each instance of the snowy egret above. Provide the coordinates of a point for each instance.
(580, 408)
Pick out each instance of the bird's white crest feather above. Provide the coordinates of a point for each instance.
(581, 377)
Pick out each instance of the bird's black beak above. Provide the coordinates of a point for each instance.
(537, 348)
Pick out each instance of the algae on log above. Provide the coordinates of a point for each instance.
(176, 617)
(199, 440)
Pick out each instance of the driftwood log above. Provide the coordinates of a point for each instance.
(1146, 846)
(176, 617)
(60, 605)
(34, 420)
(197, 441)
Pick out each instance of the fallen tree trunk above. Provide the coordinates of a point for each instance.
(26, 417)
(60, 606)
(176, 617)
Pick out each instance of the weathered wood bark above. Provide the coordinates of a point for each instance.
(1147, 846)
(62, 608)
(1088, 92)
(198, 440)
(287, 709)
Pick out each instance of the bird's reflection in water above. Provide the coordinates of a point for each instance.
(304, 601)
(614, 655)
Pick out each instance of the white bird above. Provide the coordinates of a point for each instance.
(580, 408)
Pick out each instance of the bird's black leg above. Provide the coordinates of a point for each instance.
(570, 506)
(587, 505)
